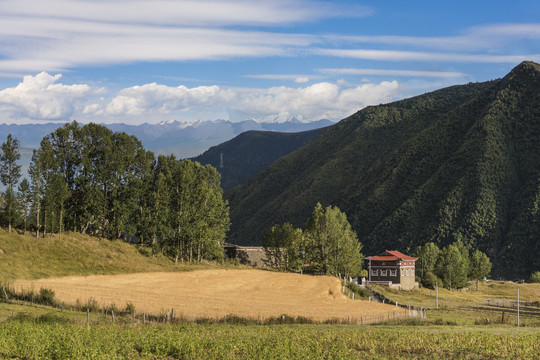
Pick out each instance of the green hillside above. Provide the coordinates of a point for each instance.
(251, 152)
(458, 163)
(25, 257)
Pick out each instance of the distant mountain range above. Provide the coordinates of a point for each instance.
(458, 163)
(181, 139)
(240, 159)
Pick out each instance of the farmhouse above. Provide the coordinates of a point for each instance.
(247, 255)
(392, 268)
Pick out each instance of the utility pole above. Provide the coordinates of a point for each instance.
(436, 295)
(518, 306)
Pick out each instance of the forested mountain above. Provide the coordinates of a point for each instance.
(458, 163)
(243, 157)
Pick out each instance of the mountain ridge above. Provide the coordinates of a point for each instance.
(184, 140)
(244, 156)
(457, 163)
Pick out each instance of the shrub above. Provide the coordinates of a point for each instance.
(430, 279)
(358, 290)
(46, 297)
(535, 277)
(130, 308)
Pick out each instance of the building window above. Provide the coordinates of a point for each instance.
(384, 272)
(407, 272)
(402, 272)
(412, 271)
(393, 272)
(374, 272)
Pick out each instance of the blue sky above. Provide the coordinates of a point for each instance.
(138, 61)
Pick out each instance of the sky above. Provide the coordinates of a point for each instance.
(135, 61)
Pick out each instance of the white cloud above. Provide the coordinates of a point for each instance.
(396, 55)
(301, 79)
(166, 99)
(212, 13)
(391, 72)
(60, 34)
(41, 97)
(317, 101)
(490, 37)
(292, 77)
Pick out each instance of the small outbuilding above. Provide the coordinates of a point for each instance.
(392, 268)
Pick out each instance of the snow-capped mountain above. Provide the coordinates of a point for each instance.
(174, 137)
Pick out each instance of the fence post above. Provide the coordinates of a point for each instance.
(144, 318)
(63, 305)
(87, 316)
(112, 314)
(172, 313)
(362, 320)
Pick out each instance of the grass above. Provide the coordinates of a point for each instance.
(469, 306)
(38, 332)
(25, 257)
(458, 329)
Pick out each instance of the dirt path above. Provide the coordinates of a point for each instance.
(217, 293)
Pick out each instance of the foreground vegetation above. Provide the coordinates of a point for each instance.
(457, 330)
(57, 336)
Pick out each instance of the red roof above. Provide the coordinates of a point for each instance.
(392, 255)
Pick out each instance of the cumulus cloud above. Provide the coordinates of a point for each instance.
(40, 97)
(317, 101)
(164, 99)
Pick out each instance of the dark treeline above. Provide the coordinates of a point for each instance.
(91, 180)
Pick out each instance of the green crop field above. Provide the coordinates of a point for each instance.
(57, 337)
(458, 329)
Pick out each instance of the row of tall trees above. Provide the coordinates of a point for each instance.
(451, 266)
(91, 180)
(326, 245)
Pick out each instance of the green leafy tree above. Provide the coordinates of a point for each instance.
(25, 201)
(332, 244)
(427, 258)
(10, 172)
(535, 277)
(36, 189)
(281, 246)
(480, 266)
(451, 267)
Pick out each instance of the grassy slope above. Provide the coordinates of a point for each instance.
(25, 257)
(468, 306)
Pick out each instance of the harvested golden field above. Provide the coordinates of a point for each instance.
(216, 293)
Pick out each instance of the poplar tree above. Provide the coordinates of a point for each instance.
(25, 200)
(282, 247)
(452, 267)
(10, 173)
(331, 243)
(427, 258)
(480, 266)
